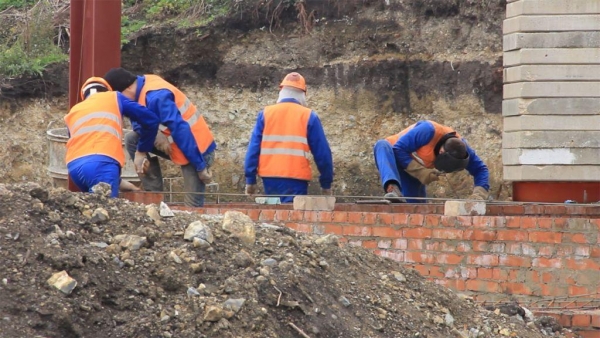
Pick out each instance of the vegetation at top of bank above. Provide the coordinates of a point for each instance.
(37, 35)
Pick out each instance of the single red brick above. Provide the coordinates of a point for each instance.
(447, 233)
(422, 269)
(291, 225)
(415, 244)
(384, 243)
(448, 221)
(544, 223)
(481, 221)
(542, 262)
(457, 284)
(417, 233)
(415, 219)
(435, 271)
(595, 252)
(555, 210)
(356, 230)
(254, 214)
(595, 320)
(463, 247)
(480, 235)
(517, 288)
(386, 231)
(583, 264)
(564, 251)
(311, 216)
(581, 320)
(449, 259)
(547, 277)
(576, 238)
(546, 251)
(267, 215)
(432, 220)
(325, 216)
(432, 246)
(419, 257)
(303, 227)
(465, 221)
(480, 246)
(560, 223)
(508, 260)
(385, 219)
(478, 285)
(296, 215)
(335, 229)
(400, 243)
(369, 218)
(355, 217)
(513, 222)
(400, 219)
(499, 274)
(513, 210)
(528, 222)
(593, 333)
(483, 260)
(545, 237)
(369, 244)
(485, 273)
(512, 235)
(282, 215)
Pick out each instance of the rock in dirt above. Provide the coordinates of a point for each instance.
(99, 216)
(165, 211)
(199, 230)
(240, 226)
(131, 242)
(63, 282)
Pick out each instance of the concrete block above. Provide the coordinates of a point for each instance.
(551, 23)
(464, 208)
(542, 7)
(267, 200)
(63, 282)
(552, 173)
(552, 56)
(530, 73)
(549, 122)
(322, 203)
(551, 106)
(551, 40)
(551, 139)
(551, 89)
(554, 156)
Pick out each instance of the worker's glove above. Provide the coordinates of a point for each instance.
(140, 162)
(424, 175)
(326, 192)
(127, 186)
(205, 176)
(480, 194)
(162, 143)
(251, 189)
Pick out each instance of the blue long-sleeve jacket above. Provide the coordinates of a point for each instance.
(162, 103)
(420, 136)
(317, 143)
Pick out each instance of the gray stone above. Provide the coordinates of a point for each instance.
(192, 292)
(100, 245)
(243, 259)
(552, 173)
(551, 139)
(552, 56)
(344, 301)
(449, 320)
(268, 262)
(199, 230)
(399, 276)
(543, 7)
(551, 23)
(327, 239)
(200, 243)
(234, 304)
(102, 189)
(555, 156)
(550, 122)
(152, 212)
(317, 203)
(63, 282)
(175, 257)
(212, 313)
(240, 226)
(100, 215)
(530, 73)
(551, 106)
(131, 242)
(551, 40)
(551, 89)
(165, 211)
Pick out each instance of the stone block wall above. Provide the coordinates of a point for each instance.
(551, 104)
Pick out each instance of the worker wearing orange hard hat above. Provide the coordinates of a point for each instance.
(284, 136)
(95, 126)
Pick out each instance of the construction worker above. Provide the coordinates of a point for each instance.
(419, 154)
(283, 137)
(184, 136)
(95, 126)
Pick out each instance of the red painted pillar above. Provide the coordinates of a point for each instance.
(95, 43)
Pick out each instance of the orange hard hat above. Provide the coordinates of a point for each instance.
(294, 80)
(92, 82)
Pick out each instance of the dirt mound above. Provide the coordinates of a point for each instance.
(134, 274)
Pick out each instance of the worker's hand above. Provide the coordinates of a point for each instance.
(127, 186)
(162, 143)
(251, 189)
(205, 176)
(140, 162)
(480, 194)
(424, 175)
(326, 192)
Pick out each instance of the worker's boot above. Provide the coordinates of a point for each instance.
(394, 194)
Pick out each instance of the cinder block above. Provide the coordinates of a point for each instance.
(551, 89)
(464, 208)
(542, 7)
(551, 40)
(551, 106)
(551, 23)
(322, 203)
(553, 156)
(531, 73)
(552, 173)
(550, 122)
(551, 139)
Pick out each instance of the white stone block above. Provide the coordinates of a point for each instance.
(542, 7)
(531, 73)
(552, 56)
(551, 89)
(551, 23)
(551, 139)
(551, 106)
(555, 156)
(322, 203)
(464, 208)
(551, 40)
(552, 173)
(550, 122)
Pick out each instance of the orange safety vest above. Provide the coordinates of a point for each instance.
(426, 154)
(284, 148)
(202, 134)
(96, 128)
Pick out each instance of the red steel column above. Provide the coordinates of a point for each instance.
(95, 43)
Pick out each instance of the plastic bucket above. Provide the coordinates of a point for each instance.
(57, 168)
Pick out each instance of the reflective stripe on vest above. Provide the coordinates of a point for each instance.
(96, 128)
(426, 154)
(284, 150)
(202, 134)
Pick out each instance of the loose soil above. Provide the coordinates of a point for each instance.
(168, 287)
